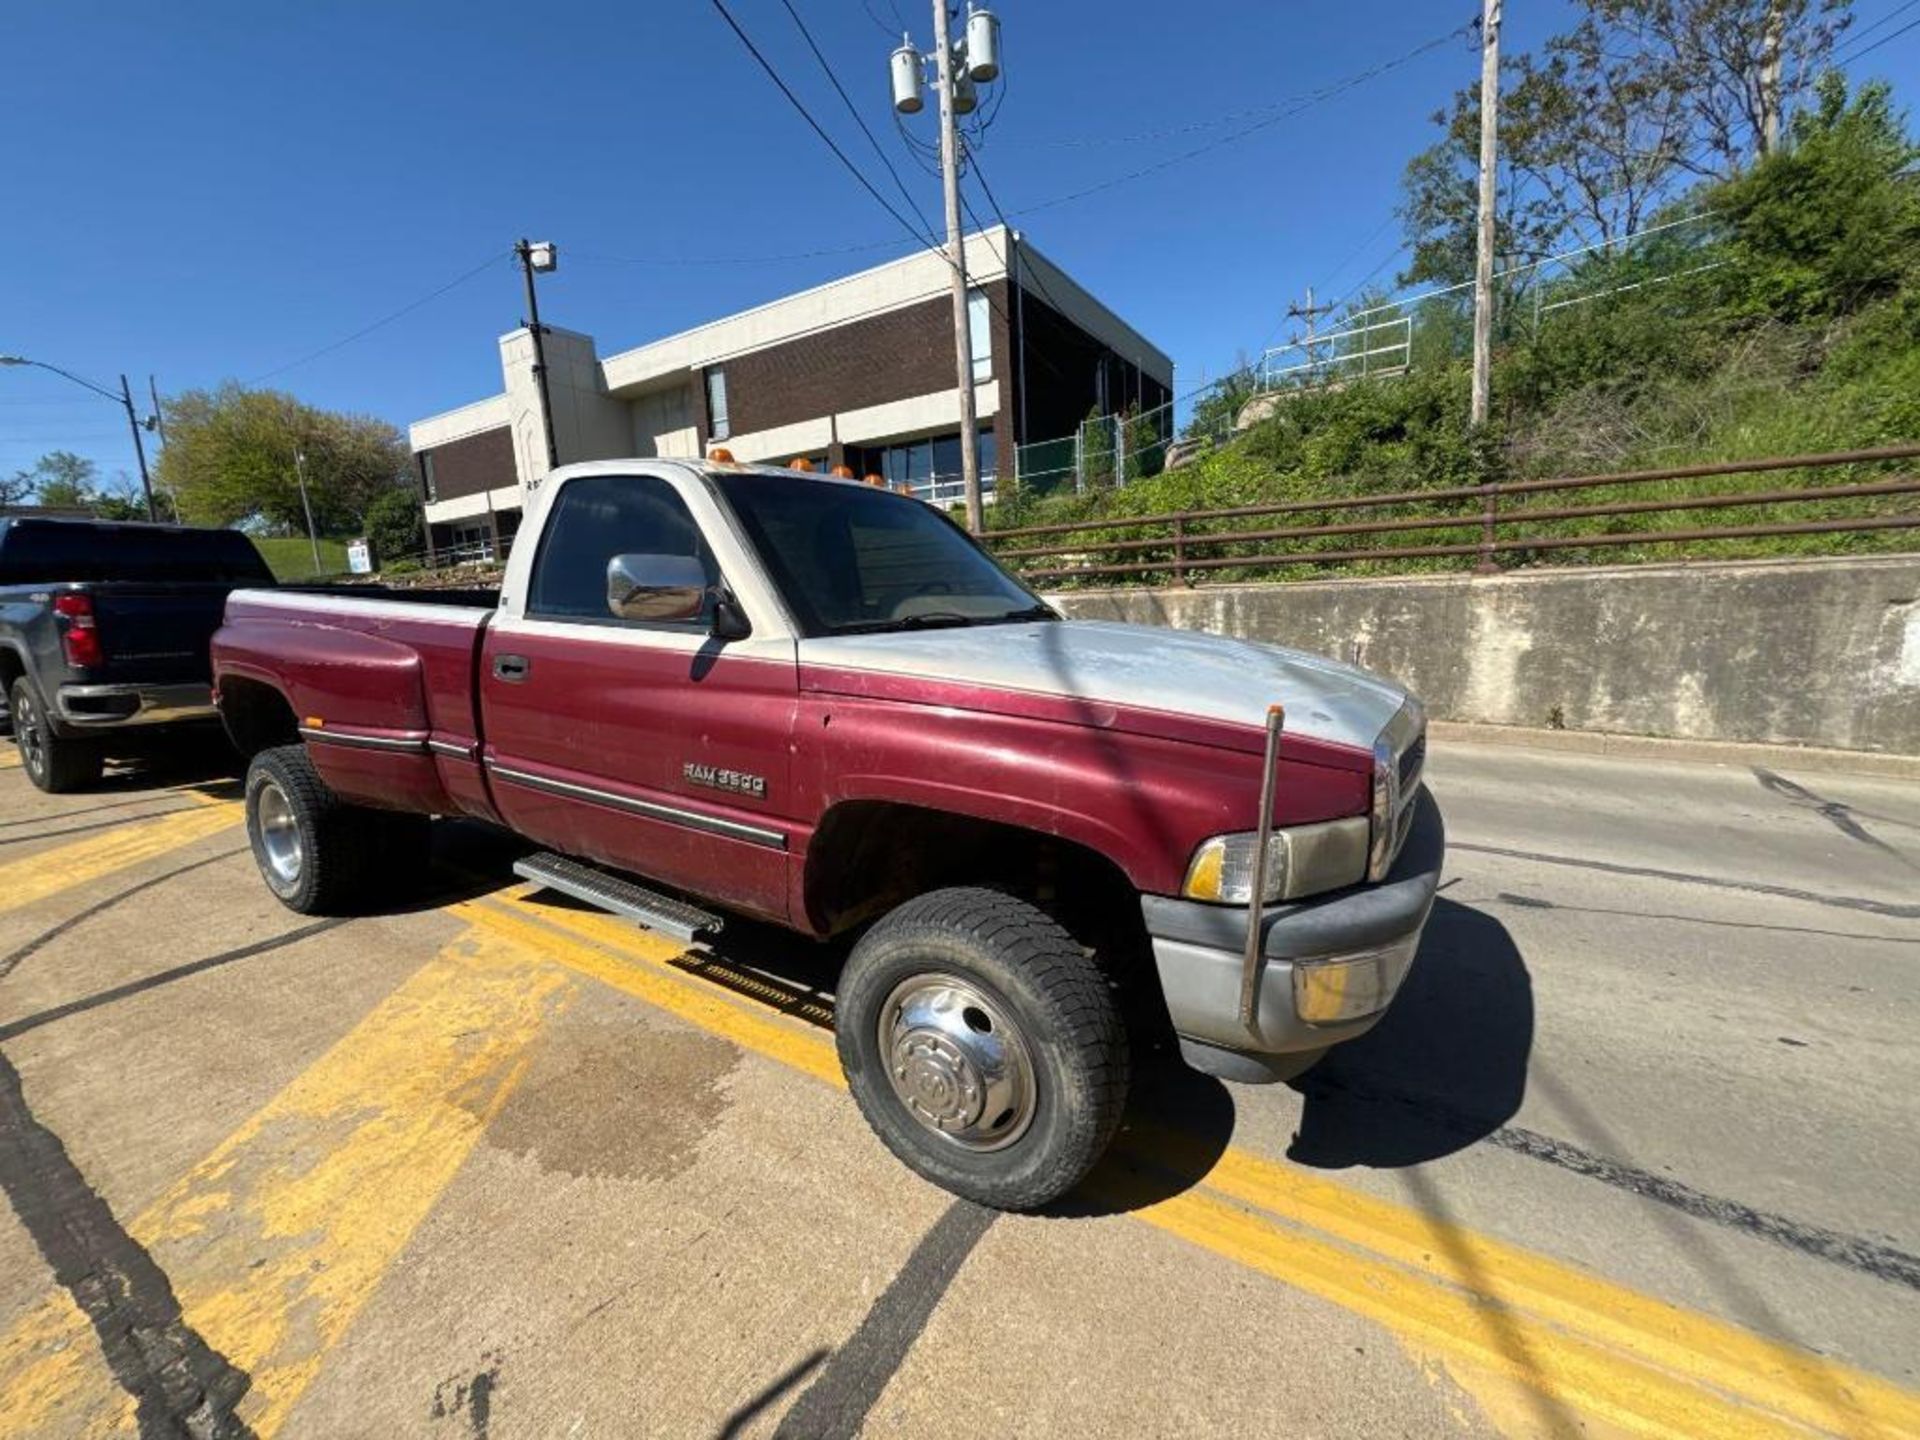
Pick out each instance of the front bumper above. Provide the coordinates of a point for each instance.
(100, 707)
(1332, 963)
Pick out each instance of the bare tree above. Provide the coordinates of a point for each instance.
(1737, 66)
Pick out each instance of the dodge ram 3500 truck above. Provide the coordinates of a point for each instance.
(824, 705)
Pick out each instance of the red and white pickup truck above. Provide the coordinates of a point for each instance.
(823, 705)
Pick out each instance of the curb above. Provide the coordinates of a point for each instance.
(1805, 758)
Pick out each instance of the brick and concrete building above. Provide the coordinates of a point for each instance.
(858, 371)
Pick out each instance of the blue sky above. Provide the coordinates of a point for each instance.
(217, 190)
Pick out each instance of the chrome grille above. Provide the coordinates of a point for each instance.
(1399, 759)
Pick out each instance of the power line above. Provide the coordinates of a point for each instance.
(384, 320)
(814, 125)
(1895, 13)
(1326, 92)
(926, 225)
(1852, 56)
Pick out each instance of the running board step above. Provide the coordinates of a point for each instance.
(617, 895)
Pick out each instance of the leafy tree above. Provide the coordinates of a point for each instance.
(121, 498)
(393, 525)
(59, 479)
(230, 457)
(1832, 221)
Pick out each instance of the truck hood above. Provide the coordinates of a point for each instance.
(1183, 672)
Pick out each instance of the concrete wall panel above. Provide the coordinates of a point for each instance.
(1823, 652)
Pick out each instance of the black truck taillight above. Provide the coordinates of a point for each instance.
(79, 636)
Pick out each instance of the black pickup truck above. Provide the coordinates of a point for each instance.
(103, 633)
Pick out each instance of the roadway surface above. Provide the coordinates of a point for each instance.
(1636, 1152)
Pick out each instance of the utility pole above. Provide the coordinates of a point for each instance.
(159, 419)
(300, 477)
(1483, 250)
(139, 448)
(958, 70)
(1310, 313)
(542, 256)
(957, 258)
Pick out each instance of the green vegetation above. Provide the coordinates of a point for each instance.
(1785, 321)
(291, 556)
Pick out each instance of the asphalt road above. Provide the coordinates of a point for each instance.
(1636, 1152)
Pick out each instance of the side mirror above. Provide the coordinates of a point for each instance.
(661, 588)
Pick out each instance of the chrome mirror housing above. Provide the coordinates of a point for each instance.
(660, 588)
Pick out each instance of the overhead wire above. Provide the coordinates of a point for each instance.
(1891, 35)
(1895, 13)
(926, 225)
(493, 259)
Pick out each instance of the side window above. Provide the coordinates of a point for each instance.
(717, 423)
(596, 518)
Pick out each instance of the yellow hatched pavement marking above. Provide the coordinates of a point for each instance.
(1577, 1342)
(278, 1238)
(35, 877)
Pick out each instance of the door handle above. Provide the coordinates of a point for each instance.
(511, 668)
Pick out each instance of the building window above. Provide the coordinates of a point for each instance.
(980, 336)
(717, 425)
(931, 467)
(427, 485)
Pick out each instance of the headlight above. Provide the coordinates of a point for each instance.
(1301, 860)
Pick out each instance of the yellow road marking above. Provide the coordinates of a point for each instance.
(1585, 1344)
(35, 877)
(9, 757)
(278, 1238)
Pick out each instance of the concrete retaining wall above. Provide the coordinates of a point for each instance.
(1823, 652)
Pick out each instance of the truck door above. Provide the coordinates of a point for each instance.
(648, 746)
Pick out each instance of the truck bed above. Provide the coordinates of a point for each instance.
(385, 678)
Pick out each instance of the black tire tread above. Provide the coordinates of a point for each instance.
(71, 764)
(351, 861)
(1086, 1018)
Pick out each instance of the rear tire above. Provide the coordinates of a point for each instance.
(53, 762)
(318, 854)
(983, 1046)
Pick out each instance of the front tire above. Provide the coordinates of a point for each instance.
(318, 854)
(983, 1046)
(53, 762)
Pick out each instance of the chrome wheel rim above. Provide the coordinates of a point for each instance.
(26, 730)
(957, 1062)
(279, 835)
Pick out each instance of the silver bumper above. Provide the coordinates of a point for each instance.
(98, 707)
(1329, 968)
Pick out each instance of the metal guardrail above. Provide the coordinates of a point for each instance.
(1174, 550)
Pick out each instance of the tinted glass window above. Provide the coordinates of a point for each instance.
(854, 557)
(596, 518)
(37, 551)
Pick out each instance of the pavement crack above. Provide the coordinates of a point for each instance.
(181, 1386)
(1892, 909)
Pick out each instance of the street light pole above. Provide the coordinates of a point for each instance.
(300, 477)
(124, 399)
(139, 447)
(541, 256)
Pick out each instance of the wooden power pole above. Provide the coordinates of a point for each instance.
(1483, 250)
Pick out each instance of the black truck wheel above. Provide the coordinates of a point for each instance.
(318, 854)
(53, 762)
(984, 1046)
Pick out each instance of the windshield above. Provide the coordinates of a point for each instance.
(852, 559)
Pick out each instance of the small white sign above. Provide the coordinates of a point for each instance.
(359, 557)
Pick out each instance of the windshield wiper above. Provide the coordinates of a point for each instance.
(944, 620)
(1041, 611)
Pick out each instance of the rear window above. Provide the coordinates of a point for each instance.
(48, 552)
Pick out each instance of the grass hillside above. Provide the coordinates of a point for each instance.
(1786, 322)
(291, 557)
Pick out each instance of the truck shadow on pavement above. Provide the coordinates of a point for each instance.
(1445, 1068)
